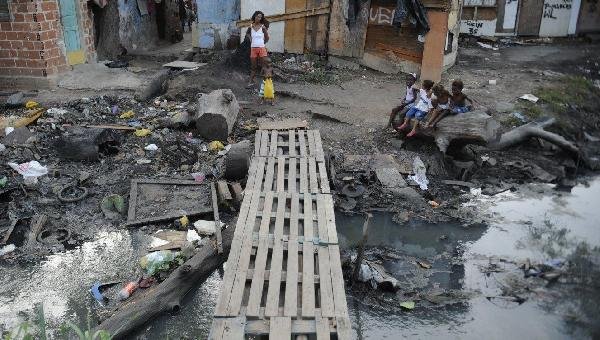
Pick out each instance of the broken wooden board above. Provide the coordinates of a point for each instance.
(285, 124)
(223, 191)
(215, 205)
(153, 201)
(184, 64)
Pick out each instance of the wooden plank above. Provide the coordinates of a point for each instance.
(272, 305)
(169, 217)
(287, 16)
(337, 281)
(320, 155)
(312, 168)
(283, 124)
(302, 143)
(325, 286)
(308, 261)
(256, 288)
(291, 285)
(292, 168)
(280, 174)
(274, 143)
(251, 182)
(280, 328)
(323, 177)
(264, 144)
(215, 206)
(239, 282)
(262, 327)
(294, 28)
(344, 330)
(317, 28)
(310, 135)
(217, 329)
(223, 191)
(228, 328)
(303, 176)
(323, 226)
(323, 330)
(284, 274)
(292, 143)
(270, 174)
(132, 200)
(249, 203)
(330, 215)
(257, 142)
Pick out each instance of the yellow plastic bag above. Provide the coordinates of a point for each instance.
(215, 145)
(269, 89)
(127, 115)
(142, 132)
(31, 104)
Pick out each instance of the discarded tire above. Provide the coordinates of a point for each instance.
(237, 161)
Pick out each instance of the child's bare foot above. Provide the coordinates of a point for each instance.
(412, 133)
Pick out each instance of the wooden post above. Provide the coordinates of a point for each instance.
(215, 204)
(361, 248)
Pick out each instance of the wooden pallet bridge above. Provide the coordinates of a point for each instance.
(283, 278)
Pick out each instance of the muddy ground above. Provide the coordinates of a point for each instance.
(349, 107)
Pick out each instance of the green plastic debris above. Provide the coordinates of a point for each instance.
(408, 305)
(159, 261)
(3, 182)
(112, 206)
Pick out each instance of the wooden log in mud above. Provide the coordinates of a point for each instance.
(168, 295)
(475, 127)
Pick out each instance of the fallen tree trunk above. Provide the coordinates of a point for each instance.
(535, 130)
(167, 296)
(216, 114)
(475, 127)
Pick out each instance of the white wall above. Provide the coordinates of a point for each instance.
(478, 27)
(276, 29)
(556, 16)
(510, 14)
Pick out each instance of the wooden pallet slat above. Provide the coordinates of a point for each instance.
(302, 143)
(325, 285)
(270, 174)
(322, 325)
(324, 181)
(292, 175)
(272, 305)
(314, 182)
(280, 174)
(274, 143)
(303, 175)
(257, 142)
(292, 143)
(320, 154)
(291, 285)
(308, 262)
(280, 328)
(264, 144)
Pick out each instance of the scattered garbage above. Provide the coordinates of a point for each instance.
(224, 151)
(419, 173)
(115, 109)
(206, 228)
(199, 177)
(410, 305)
(492, 82)
(215, 146)
(377, 276)
(8, 130)
(98, 288)
(157, 261)
(184, 221)
(31, 104)
(487, 46)
(2, 147)
(30, 171)
(143, 161)
(433, 204)
(3, 181)
(151, 147)
(142, 132)
(7, 249)
(519, 116)
(127, 291)
(127, 115)
(56, 111)
(192, 236)
(113, 206)
(424, 265)
(529, 97)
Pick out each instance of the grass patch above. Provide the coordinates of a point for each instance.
(573, 91)
(319, 76)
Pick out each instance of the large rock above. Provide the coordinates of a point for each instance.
(216, 114)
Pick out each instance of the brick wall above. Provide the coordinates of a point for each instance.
(31, 42)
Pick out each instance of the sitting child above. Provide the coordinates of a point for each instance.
(420, 110)
(441, 105)
(458, 104)
(409, 97)
(267, 89)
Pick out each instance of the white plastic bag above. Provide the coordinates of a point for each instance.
(419, 176)
(30, 171)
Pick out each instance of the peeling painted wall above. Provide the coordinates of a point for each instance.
(216, 22)
(137, 31)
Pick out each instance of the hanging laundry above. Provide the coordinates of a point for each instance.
(142, 7)
(415, 12)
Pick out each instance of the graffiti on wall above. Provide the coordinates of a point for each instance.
(552, 7)
(556, 16)
(381, 15)
(478, 27)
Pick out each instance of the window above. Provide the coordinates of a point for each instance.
(4, 15)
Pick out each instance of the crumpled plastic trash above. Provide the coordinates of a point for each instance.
(127, 115)
(8, 130)
(31, 104)
(154, 262)
(192, 236)
(215, 146)
(530, 97)
(199, 176)
(112, 206)
(375, 275)
(30, 171)
(3, 182)
(224, 151)
(56, 111)
(419, 177)
(7, 249)
(2, 147)
(142, 132)
(151, 147)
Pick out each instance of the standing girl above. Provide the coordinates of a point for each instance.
(259, 36)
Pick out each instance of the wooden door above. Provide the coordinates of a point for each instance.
(68, 16)
(294, 28)
(530, 17)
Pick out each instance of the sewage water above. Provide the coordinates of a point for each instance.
(538, 223)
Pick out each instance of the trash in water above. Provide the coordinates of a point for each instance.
(408, 305)
(30, 171)
(151, 147)
(157, 261)
(529, 97)
(7, 249)
(377, 276)
(419, 173)
(215, 146)
(127, 291)
(142, 132)
(127, 115)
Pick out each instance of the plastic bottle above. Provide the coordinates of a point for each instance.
(126, 292)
